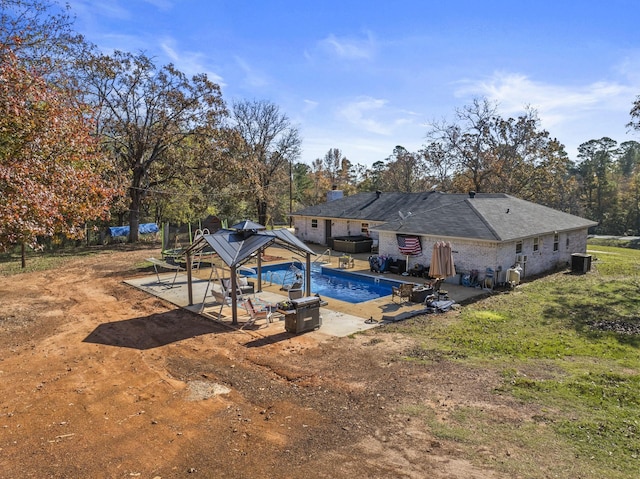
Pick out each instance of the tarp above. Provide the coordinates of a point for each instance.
(145, 228)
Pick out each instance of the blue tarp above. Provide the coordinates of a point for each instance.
(144, 228)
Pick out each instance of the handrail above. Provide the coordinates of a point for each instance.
(270, 275)
(317, 260)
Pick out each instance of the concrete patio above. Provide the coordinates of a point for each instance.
(339, 318)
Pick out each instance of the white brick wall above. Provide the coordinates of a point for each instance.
(468, 254)
(480, 255)
(305, 231)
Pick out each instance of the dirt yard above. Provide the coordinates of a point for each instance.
(100, 380)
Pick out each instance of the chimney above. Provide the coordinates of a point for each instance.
(472, 194)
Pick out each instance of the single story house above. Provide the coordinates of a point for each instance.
(486, 230)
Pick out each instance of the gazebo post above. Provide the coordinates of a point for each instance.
(308, 276)
(234, 289)
(259, 270)
(189, 280)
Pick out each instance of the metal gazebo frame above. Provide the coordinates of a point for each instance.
(240, 244)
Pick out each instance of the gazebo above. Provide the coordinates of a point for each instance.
(240, 244)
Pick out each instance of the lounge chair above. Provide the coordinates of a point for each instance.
(166, 265)
(244, 286)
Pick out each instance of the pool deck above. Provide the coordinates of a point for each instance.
(339, 318)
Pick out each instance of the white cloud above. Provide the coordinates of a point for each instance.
(373, 115)
(252, 77)
(164, 5)
(349, 48)
(310, 105)
(555, 103)
(360, 113)
(190, 63)
(572, 113)
(89, 11)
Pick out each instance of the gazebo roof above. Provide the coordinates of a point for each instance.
(248, 225)
(236, 247)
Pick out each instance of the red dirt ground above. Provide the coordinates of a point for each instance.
(101, 380)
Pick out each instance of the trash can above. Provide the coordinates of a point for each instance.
(307, 315)
(580, 262)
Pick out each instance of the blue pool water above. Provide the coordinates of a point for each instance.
(336, 284)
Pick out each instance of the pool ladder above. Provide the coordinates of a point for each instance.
(320, 260)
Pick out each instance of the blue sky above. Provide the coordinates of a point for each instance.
(365, 76)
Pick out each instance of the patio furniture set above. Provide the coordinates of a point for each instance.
(416, 293)
(383, 264)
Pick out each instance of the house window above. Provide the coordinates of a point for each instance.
(556, 241)
(364, 229)
(519, 247)
(314, 223)
(536, 244)
(567, 243)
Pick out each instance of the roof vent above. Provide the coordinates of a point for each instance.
(378, 193)
(472, 194)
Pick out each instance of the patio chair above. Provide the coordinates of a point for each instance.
(437, 292)
(487, 282)
(397, 266)
(257, 313)
(404, 291)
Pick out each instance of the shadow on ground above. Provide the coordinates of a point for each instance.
(152, 331)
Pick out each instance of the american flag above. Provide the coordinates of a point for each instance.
(409, 245)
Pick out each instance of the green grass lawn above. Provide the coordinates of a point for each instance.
(563, 346)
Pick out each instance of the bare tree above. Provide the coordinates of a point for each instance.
(269, 146)
(405, 171)
(468, 142)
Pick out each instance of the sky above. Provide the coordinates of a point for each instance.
(365, 76)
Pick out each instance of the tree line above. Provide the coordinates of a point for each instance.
(88, 139)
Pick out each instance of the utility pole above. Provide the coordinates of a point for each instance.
(290, 192)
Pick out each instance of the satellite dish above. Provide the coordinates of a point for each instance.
(404, 216)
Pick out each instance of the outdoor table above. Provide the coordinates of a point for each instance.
(418, 295)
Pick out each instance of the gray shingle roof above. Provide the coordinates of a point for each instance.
(495, 217)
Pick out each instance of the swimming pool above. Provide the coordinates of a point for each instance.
(336, 284)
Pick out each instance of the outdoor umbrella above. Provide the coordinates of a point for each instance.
(435, 269)
(449, 268)
(442, 261)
